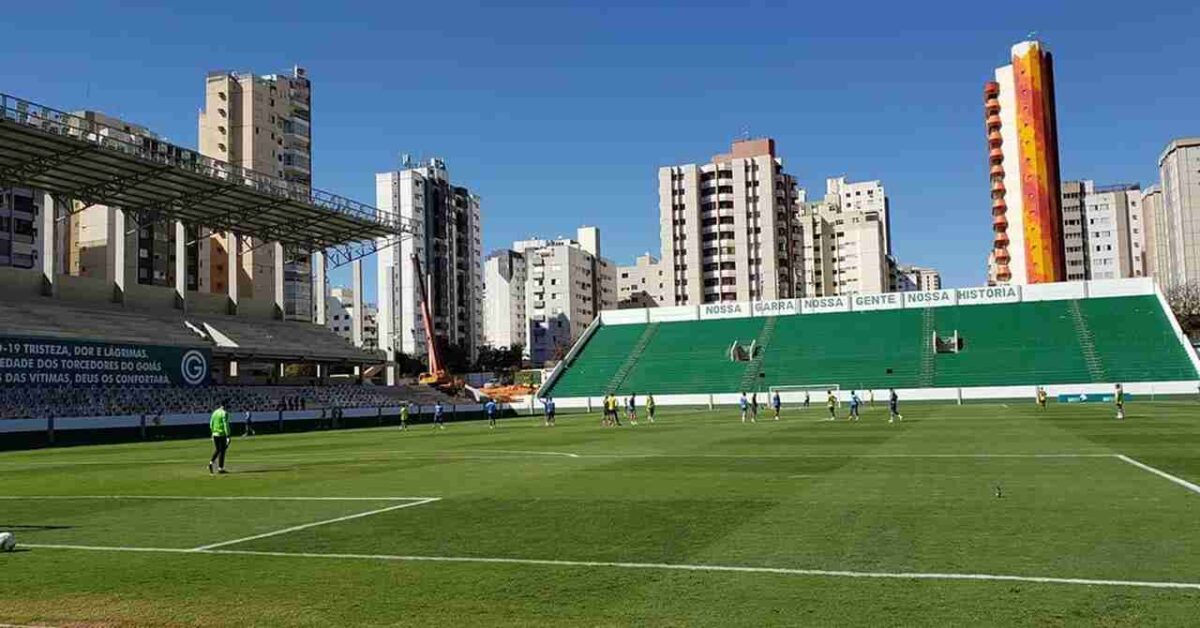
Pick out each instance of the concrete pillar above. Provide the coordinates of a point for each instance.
(232, 246)
(277, 271)
(319, 290)
(115, 253)
(356, 284)
(46, 242)
(180, 266)
(386, 323)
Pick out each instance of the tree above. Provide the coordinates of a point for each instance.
(500, 359)
(1184, 300)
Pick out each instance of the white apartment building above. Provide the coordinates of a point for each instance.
(644, 284)
(843, 246)
(340, 316)
(1157, 229)
(504, 322)
(542, 294)
(448, 242)
(1104, 231)
(263, 123)
(727, 227)
(918, 279)
(1179, 177)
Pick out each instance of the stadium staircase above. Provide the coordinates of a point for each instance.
(761, 343)
(928, 352)
(1087, 343)
(618, 378)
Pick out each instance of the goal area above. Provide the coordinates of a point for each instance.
(795, 392)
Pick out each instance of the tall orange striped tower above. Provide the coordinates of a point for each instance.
(1022, 138)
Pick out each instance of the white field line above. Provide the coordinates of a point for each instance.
(314, 524)
(839, 573)
(528, 452)
(1162, 474)
(223, 498)
(466, 455)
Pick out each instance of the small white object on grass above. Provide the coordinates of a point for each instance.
(8, 542)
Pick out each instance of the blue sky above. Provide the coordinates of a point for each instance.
(559, 114)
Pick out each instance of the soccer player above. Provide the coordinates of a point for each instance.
(871, 397)
(548, 406)
(614, 410)
(490, 409)
(1119, 400)
(893, 406)
(775, 404)
(404, 409)
(1041, 397)
(831, 403)
(650, 407)
(754, 407)
(249, 425)
(806, 400)
(745, 404)
(438, 414)
(631, 403)
(218, 424)
(854, 401)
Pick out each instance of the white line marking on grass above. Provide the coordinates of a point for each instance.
(224, 498)
(838, 573)
(314, 524)
(518, 451)
(1162, 474)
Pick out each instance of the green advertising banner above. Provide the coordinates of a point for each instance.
(50, 362)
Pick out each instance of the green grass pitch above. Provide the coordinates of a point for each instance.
(695, 520)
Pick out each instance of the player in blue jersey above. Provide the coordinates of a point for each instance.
(489, 409)
(745, 404)
(439, 414)
(776, 404)
(854, 401)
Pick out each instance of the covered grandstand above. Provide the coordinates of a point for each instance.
(1077, 336)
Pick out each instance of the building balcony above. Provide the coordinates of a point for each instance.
(994, 139)
(996, 155)
(997, 188)
(1000, 241)
(991, 89)
(997, 170)
(1000, 223)
(993, 120)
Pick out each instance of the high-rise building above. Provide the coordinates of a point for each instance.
(19, 212)
(1104, 231)
(552, 291)
(448, 241)
(1023, 152)
(918, 278)
(504, 321)
(263, 123)
(340, 316)
(643, 284)
(1179, 242)
(1157, 229)
(841, 246)
(727, 227)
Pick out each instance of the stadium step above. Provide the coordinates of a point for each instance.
(761, 343)
(1087, 343)
(631, 360)
(928, 354)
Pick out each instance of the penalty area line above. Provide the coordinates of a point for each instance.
(220, 498)
(1160, 473)
(786, 571)
(314, 524)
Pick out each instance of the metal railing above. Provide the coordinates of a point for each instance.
(48, 120)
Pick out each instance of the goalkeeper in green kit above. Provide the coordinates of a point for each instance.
(219, 426)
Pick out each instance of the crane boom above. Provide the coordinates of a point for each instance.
(436, 371)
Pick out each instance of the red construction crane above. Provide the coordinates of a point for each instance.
(437, 375)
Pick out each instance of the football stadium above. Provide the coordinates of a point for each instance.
(182, 444)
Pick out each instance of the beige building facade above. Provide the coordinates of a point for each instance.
(644, 284)
(727, 227)
(263, 123)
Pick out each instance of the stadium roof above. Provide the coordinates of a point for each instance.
(76, 158)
